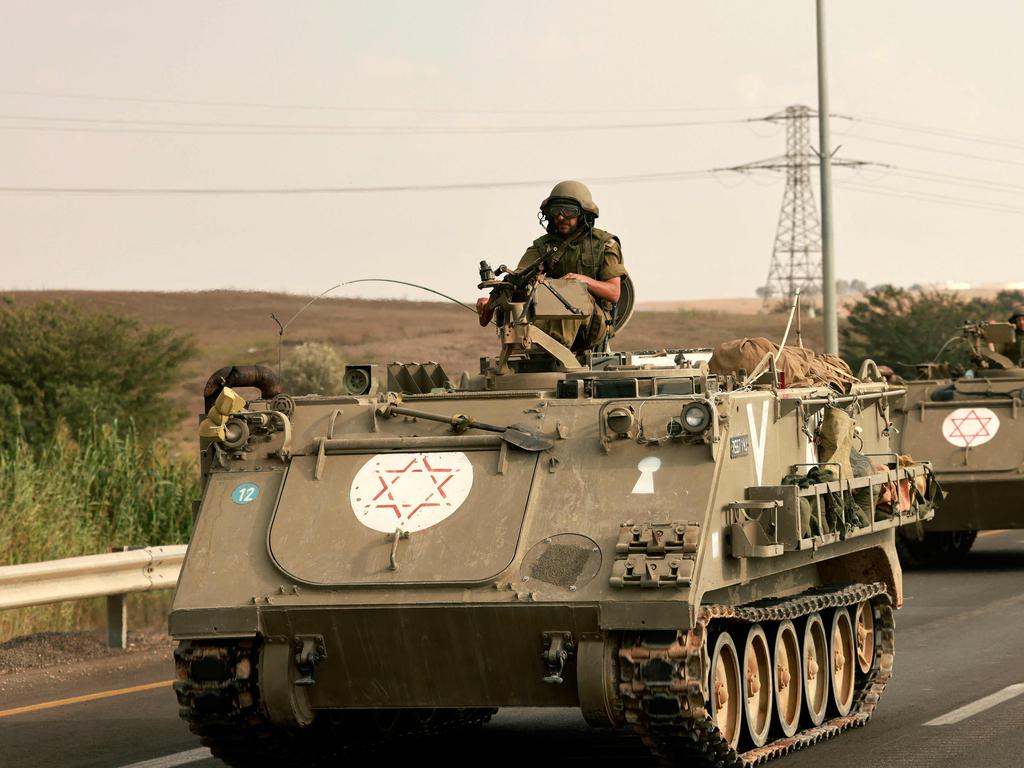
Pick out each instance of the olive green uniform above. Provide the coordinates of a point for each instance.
(594, 253)
(1014, 349)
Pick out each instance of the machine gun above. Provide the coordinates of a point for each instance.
(520, 299)
(522, 283)
(981, 336)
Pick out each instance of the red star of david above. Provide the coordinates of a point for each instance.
(979, 430)
(389, 478)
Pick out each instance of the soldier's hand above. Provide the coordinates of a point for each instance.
(578, 278)
(484, 311)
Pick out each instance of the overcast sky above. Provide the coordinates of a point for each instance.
(269, 96)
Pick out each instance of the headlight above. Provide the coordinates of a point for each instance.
(236, 434)
(356, 380)
(620, 421)
(696, 418)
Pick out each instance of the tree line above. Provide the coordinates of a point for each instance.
(904, 327)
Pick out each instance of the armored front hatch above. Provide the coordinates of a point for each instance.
(619, 533)
(339, 514)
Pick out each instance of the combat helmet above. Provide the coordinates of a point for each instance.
(572, 190)
(1018, 311)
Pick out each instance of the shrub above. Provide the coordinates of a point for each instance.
(61, 363)
(314, 368)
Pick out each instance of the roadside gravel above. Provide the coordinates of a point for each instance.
(54, 651)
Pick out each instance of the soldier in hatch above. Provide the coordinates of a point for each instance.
(574, 249)
(1015, 349)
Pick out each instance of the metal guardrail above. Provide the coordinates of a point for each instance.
(110, 575)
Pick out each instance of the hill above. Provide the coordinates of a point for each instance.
(236, 328)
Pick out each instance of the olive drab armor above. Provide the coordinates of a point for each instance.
(571, 527)
(970, 428)
(630, 535)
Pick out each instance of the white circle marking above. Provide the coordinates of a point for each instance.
(970, 427)
(410, 491)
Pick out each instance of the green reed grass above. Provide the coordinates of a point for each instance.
(108, 488)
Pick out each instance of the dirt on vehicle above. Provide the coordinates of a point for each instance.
(690, 549)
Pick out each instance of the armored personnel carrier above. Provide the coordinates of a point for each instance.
(626, 533)
(969, 430)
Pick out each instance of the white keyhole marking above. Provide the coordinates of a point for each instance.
(647, 466)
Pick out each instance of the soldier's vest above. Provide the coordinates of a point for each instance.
(582, 254)
(1014, 349)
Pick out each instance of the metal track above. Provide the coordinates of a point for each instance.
(218, 695)
(662, 680)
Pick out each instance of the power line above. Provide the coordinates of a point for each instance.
(961, 181)
(667, 176)
(930, 197)
(208, 127)
(1000, 160)
(916, 128)
(371, 109)
(379, 109)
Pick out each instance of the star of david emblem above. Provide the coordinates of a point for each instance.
(967, 427)
(389, 495)
(411, 491)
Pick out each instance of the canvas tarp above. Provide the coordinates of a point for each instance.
(799, 366)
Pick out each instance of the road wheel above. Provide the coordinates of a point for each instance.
(726, 689)
(937, 549)
(842, 651)
(757, 685)
(815, 666)
(960, 542)
(864, 632)
(787, 678)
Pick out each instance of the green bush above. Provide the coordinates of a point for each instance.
(903, 327)
(314, 368)
(62, 364)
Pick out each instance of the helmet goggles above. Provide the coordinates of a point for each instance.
(566, 210)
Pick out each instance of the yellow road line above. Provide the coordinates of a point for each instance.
(80, 699)
(992, 533)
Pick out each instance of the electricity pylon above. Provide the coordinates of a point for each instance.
(796, 255)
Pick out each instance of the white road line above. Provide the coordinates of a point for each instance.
(179, 758)
(969, 710)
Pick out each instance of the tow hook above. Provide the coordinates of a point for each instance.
(309, 651)
(557, 647)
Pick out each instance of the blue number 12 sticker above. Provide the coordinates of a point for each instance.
(245, 493)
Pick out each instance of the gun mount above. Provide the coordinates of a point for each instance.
(539, 319)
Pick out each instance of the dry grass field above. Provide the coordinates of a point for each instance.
(235, 328)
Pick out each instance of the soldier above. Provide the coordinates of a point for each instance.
(574, 249)
(1015, 349)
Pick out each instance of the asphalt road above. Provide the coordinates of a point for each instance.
(960, 639)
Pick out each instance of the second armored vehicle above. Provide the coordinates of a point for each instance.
(971, 430)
